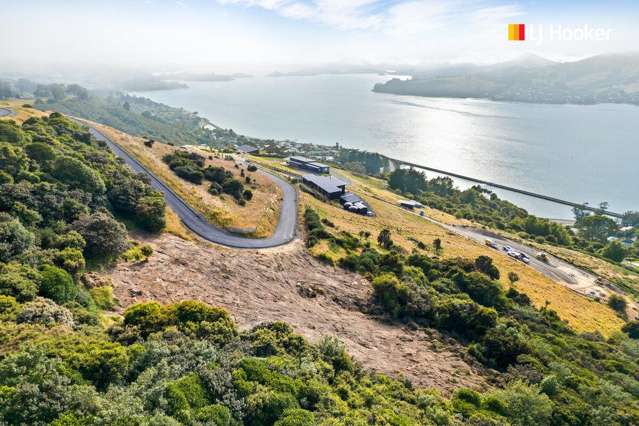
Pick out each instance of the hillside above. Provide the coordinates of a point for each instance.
(416, 311)
(612, 78)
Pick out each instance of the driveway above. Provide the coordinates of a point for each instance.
(284, 232)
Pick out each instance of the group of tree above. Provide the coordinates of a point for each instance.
(569, 373)
(190, 166)
(362, 162)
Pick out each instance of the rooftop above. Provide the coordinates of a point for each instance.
(247, 148)
(329, 184)
(300, 159)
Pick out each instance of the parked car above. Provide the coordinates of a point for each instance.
(491, 244)
(513, 254)
(542, 257)
(507, 249)
(524, 258)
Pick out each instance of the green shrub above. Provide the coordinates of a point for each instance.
(19, 281)
(391, 294)
(57, 284)
(15, 239)
(296, 417)
(103, 297)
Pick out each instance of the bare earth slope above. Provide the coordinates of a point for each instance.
(289, 285)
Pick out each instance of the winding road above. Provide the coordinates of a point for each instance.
(284, 232)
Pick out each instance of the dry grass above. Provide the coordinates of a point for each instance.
(258, 218)
(21, 113)
(174, 226)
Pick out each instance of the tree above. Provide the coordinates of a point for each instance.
(15, 239)
(41, 152)
(106, 237)
(525, 405)
(78, 175)
(630, 218)
(79, 91)
(57, 91)
(513, 277)
(391, 294)
(632, 329)
(57, 284)
(614, 251)
(150, 212)
(126, 106)
(596, 227)
(407, 180)
(12, 133)
(384, 239)
(437, 245)
(12, 159)
(618, 303)
(484, 264)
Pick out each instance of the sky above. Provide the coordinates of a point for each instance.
(267, 35)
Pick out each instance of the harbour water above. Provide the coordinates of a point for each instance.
(580, 153)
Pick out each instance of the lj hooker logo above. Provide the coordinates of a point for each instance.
(517, 32)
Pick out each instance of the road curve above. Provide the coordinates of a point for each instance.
(284, 232)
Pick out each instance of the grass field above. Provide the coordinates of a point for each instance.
(21, 112)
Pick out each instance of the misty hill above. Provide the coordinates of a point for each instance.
(612, 78)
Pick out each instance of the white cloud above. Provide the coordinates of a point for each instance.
(399, 17)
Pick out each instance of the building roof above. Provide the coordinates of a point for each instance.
(350, 198)
(412, 203)
(328, 184)
(300, 159)
(247, 148)
(316, 164)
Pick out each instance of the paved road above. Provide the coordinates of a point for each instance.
(284, 232)
(5, 111)
(556, 269)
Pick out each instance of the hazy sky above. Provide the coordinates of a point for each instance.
(272, 34)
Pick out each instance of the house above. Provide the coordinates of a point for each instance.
(328, 186)
(308, 164)
(411, 204)
(248, 149)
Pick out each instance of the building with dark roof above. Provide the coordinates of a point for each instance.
(328, 186)
(248, 149)
(308, 164)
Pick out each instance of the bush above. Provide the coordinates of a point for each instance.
(103, 297)
(618, 303)
(70, 259)
(614, 251)
(484, 264)
(57, 284)
(233, 187)
(15, 239)
(46, 312)
(252, 168)
(248, 195)
(106, 237)
(19, 281)
(76, 174)
(391, 294)
(632, 329)
(150, 212)
(189, 173)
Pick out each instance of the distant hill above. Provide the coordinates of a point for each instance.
(612, 78)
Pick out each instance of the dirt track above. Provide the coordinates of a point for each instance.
(288, 284)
